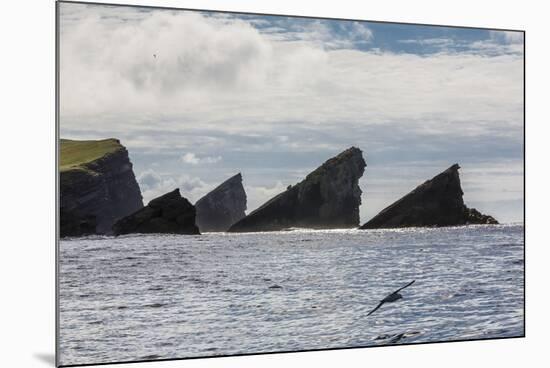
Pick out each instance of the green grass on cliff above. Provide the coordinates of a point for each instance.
(74, 154)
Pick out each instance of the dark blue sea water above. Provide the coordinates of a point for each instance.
(165, 296)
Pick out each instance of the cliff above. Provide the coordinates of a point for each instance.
(437, 202)
(97, 186)
(168, 214)
(223, 206)
(328, 197)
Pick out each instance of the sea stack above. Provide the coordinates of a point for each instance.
(437, 202)
(223, 206)
(97, 186)
(327, 198)
(167, 214)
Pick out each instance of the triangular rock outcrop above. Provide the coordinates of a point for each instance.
(223, 206)
(168, 214)
(327, 198)
(437, 202)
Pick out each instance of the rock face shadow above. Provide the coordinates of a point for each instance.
(46, 358)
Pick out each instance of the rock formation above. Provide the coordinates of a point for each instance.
(328, 197)
(437, 202)
(169, 214)
(223, 206)
(97, 186)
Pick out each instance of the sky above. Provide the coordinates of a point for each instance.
(197, 97)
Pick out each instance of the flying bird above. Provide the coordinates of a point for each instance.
(391, 298)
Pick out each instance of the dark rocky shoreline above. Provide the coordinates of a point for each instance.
(101, 196)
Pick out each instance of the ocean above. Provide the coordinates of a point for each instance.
(142, 297)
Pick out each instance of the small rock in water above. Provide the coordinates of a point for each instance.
(150, 357)
(396, 338)
(155, 305)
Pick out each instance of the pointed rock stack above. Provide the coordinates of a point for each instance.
(168, 214)
(223, 206)
(327, 198)
(437, 202)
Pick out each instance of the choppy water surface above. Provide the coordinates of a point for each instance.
(163, 296)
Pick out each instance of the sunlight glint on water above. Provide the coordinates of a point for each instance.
(163, 296)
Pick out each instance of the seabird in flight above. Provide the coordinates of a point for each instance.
(391, 298)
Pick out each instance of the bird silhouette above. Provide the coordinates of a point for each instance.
(391, 298)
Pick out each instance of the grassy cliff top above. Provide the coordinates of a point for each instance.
(73, 154)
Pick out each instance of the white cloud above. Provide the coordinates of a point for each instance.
(258, 195)
(228, 77)
(320, 33)
(163, 61)
(149, 179)
(193, 188)
(217, 84)
(211, 160)
(439, 42)
(513, 37)
(154, 185)
(192, 159)
(510, 37)
(153, 189)
(360, 32)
